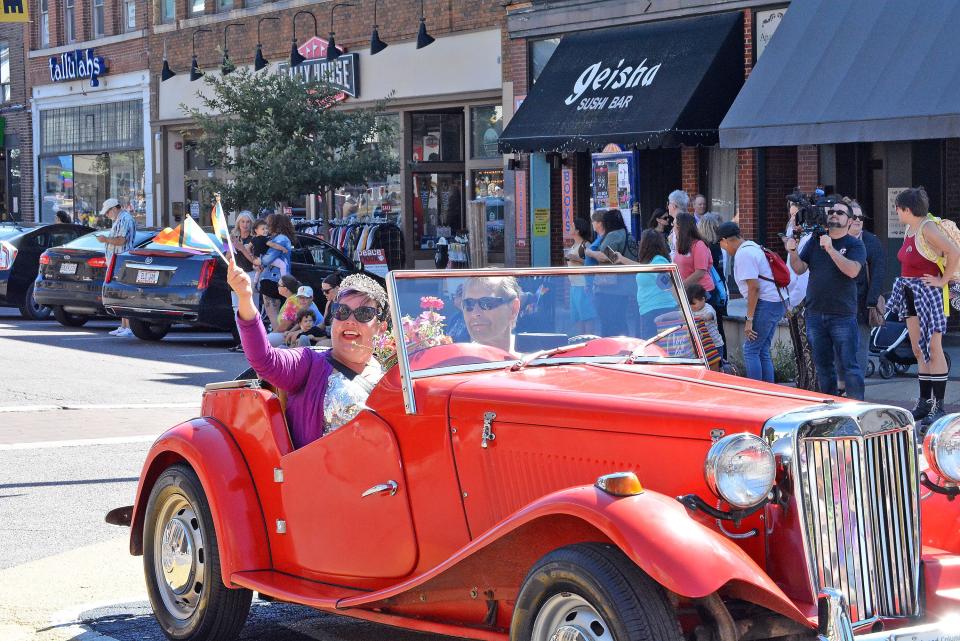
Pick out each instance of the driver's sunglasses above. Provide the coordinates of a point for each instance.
(485, 303)
(855, 217)
(363, 314)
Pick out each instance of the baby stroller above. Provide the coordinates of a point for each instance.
(890, 344)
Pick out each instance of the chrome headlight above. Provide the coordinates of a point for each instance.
(740, 469)
(941, 447)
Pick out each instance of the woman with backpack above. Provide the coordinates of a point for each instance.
(928, 262)
(612, 293)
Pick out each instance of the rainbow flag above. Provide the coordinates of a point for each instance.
(188, 235)
(220, 228)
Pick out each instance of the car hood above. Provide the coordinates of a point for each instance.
(682, 401)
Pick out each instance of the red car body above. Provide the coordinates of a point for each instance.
(456, 521)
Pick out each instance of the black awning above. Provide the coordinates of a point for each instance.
(660, 84)
(853, 71)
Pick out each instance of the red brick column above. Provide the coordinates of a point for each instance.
(746, 158)
(690, 166)
(808, 167)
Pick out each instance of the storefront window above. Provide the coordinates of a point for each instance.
(540, 53)
(437, 207)
(488, 189)
(486, 125)
(436, 137)
(381, 199)
(91, 175)
(56, 186)
(722, 181)
(127, 182)
(92, 128)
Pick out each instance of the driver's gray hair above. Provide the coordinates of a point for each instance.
(679, 198)
(507, 284)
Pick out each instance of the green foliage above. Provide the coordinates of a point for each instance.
(784, 364)
(279, 137)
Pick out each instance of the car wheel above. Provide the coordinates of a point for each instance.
(886, 369)
(148, 331)
(31, 309)
(181, 563)
(591, 592)
(67, 319)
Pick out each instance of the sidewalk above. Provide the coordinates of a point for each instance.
(901, 390)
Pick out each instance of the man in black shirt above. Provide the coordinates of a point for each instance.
(834, 263)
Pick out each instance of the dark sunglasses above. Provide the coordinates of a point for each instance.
(855, 217)
(363, 314)
(326, 290)
(485, 303)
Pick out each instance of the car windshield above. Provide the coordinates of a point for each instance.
(486, 319)
(90, 242)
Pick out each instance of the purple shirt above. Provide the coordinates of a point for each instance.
(301, 372)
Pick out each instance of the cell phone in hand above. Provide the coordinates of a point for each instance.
(610, 253)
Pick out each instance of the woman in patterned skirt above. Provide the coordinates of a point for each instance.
(918, 297)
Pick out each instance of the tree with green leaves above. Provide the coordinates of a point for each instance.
(278, 137)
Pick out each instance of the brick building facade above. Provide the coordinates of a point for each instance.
(447, 98)
(16, 168)
(90, 131)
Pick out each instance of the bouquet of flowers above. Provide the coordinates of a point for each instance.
(422, 332)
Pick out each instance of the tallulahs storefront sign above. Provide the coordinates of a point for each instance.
(75, 65)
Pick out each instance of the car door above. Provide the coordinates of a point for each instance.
(346, 504)
(313, 260)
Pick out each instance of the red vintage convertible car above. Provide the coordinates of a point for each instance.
(589, 479)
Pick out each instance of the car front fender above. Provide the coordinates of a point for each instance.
(207, 447)
(652, 529)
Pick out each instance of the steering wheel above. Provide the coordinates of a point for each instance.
(456, 354)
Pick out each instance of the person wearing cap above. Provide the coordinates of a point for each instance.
(118, 240)
(765, 308)
(869, 285)
(298, 298)
(834, 261)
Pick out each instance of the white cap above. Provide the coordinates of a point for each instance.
(305, 290)
(109, 204)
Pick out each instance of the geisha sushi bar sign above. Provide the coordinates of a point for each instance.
(77, 65)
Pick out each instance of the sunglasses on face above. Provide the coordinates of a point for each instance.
(326, 290)
(363, 314)
(486, 303)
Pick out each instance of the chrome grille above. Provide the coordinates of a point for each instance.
(861, 520)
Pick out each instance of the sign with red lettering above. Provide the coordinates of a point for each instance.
(374, 261)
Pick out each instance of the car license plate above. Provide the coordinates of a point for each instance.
(68, 268)
(147, 277)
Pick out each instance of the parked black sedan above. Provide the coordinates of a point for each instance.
(156, 286)
(70, 280)
(21, 245)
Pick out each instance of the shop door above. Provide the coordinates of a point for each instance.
(437, 207)
(659, 172)
(91, 182)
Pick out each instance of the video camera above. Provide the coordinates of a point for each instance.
(812, 214)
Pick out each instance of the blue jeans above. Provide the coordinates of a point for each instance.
(835, 338)
(756, 353)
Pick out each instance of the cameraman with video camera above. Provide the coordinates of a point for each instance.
(834, 260)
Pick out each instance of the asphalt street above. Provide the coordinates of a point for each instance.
(78, 411)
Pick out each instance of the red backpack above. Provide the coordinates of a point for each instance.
(781, 275)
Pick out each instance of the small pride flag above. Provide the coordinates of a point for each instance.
(220, 228)
(188, 235)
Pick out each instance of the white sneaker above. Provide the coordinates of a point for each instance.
(124, 333)
(117, 330)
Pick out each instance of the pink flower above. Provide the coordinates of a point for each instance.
(431, 302)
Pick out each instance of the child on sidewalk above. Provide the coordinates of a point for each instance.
(706, 318)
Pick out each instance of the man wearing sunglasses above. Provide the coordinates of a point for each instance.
(328, 389)
(835, 262)
(490, 308)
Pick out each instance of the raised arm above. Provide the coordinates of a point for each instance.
(285, 368)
